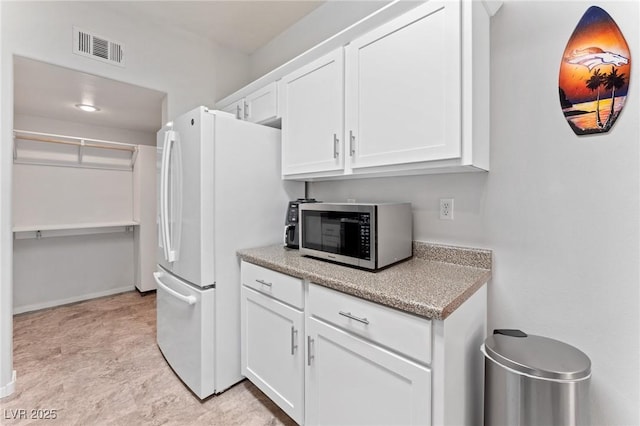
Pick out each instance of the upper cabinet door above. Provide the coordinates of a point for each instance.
(403, 89)
(236, 108)
(261, 106)
(312, 100)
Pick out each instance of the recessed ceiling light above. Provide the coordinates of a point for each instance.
(87, 108)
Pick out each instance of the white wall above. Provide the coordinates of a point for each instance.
(190, 69)
(567, 267)
(53, 271)
(7, 385)
(57, 270)
(50, 195)
(565, 260)
(90, 195)
(325, 21)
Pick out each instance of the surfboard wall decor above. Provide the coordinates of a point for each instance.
(594, 74)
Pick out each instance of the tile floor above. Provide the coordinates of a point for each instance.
(97, 363)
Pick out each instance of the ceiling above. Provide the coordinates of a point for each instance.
(242, 25)
(46, 90)
(51, 91)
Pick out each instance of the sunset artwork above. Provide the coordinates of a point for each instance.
(594, 74)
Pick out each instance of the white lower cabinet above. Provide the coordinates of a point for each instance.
(353, 382)
(334, 359)
(272, 344)
(359, 367)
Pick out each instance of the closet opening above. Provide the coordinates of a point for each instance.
(83, 196)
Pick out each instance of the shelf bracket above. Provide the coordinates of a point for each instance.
(80, 151)
(134, 155)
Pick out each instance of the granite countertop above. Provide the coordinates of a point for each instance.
(431, 284)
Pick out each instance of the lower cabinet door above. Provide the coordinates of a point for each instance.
(273, 350)
(353, 382)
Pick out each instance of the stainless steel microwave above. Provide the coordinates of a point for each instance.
(369, 236)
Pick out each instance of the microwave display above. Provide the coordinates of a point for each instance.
(342, 233)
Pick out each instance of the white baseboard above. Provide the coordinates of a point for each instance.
(10, 387)
(52, 303)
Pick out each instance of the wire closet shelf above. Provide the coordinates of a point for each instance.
(50, 149)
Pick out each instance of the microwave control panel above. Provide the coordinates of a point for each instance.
(365, 236)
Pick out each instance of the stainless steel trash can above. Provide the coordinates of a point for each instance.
(534, 381)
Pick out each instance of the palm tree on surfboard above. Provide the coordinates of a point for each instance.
(593, 83)
(613, 81)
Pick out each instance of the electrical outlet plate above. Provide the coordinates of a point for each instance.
(446, 208)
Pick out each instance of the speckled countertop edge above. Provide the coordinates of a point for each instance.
(464, 256)
(432, 284)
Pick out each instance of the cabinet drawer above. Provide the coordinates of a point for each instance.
(396, 330)
(279, 286)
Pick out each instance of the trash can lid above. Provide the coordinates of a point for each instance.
(537, 356)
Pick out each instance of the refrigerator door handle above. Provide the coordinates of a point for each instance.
(163, 195)
(169, 253)
(191, 300)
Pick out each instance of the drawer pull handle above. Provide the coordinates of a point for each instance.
(353, 317)
(294, 335)
(309, 356)
(263, 282)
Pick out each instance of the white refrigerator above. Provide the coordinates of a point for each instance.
(219, 190)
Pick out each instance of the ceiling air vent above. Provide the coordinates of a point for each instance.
(97, 47)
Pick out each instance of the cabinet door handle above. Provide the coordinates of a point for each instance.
(263, 282)
(309, 356)
(246, 110)
(336, 146)
(352, 143)
(353, 317)
(238, 116)
(294, 335)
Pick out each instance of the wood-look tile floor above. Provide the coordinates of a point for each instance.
(97, 363)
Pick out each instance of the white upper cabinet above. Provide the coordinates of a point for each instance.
(411, 98)
(403, 89)
(260, 106)
(236, 108)
(312, 98)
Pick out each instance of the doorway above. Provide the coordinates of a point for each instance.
(78, 176)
